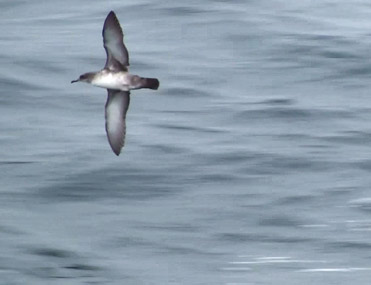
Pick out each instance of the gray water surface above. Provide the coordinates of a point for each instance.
(250, 165)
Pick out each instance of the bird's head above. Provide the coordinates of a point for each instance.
(86, 77)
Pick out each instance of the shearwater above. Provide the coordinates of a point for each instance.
(116, 78)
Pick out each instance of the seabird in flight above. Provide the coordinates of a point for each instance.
(115, 77)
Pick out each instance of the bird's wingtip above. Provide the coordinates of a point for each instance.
(116, 151)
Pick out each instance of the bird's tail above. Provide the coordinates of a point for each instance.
(151, 83)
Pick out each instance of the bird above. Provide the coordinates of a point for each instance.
(115, 77)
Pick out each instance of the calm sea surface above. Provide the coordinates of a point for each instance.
(250, 165)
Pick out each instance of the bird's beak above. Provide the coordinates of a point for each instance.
(73, 81)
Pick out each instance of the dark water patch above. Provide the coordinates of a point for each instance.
(332, 58)
(293, 114)
(219, 176)
(178, 228)
(363, 204)
(334, 54)
(323, 43)
(341, 245)
(44, 272)
(241, 40)
(185, 250)
(317, 149)
(10, 230)
(260, 238)
(80, 191)
(277, 102)
(166, 149)
(181, 112)
(182, 11)
(279, 221)
(284, 164)
(130, 242)
(349, 137)
(310, 142)
(232, 157)
(295, 137)
(363, 70)
(189, 128)
(251, 2)
(4, 5)
(16, 162)
(323, 38)
(60, 263)
(82, 267)
(61, 272)
(163, 248)
(296, 200)
(14, 198)
(8, 38)
(275, 113)
(341, 192)
(52, 252)
(264, 163)
(186, 92)
(290, 50)
(342, 76)
(318, 198)
(365, 164)
(128, 184)
(300, 53)
(297, 163)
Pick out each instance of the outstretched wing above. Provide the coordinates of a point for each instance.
(117, 54)
(116, 107)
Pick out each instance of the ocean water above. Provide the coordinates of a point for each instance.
(250, 165)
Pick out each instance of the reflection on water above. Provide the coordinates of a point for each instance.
(249, 166)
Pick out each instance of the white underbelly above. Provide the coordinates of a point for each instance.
(112, 81)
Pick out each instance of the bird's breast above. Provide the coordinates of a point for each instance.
(112, 80)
